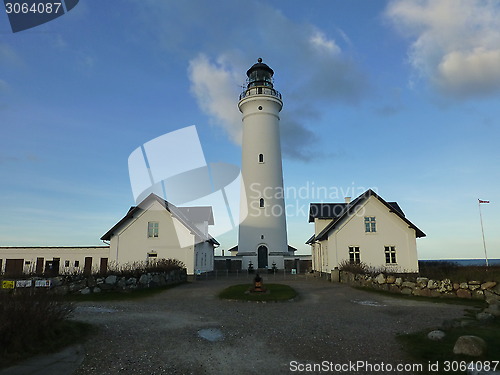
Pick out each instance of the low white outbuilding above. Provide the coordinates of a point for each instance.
(368, 230)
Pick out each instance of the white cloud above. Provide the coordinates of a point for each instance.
(323, 44)
(456, 43)
(215, 87)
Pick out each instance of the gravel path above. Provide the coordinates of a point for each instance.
(329, 322)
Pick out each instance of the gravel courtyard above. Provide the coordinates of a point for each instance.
(328, 322)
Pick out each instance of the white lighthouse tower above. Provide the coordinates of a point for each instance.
(262, 232)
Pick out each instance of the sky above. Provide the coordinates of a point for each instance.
(398, 96)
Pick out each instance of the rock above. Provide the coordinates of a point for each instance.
(57, 281)
(484, 316)
(398, 281)
(121, 283)
(131, 281)
(491, 298)
(464, 286)
(394, 288)
(406, 291)
(380, 279)
(390, 279)
(474, 286)
(77, 286)
(493, 309)
(144, 279)
(85, 291)
(436, 335)
(111, 280)
(456, 286)
(409, 284)
(470, 345)
(445, 286)
(100, 280)
(474, 282)
(422, 282)
(478, 294)
(464, 293)
(96, 290)
(91, 281)
(432, 284)
(488, 285)
(422, 292)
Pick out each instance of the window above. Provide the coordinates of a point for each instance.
(354, 255)
(370, 225)
(66, 263)
(77, 263)
(152, 254)
(261, 158)
(261, 203)
(390, 254)
(153, 229)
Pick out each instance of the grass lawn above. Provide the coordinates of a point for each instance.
(277, 292)
(423, 350)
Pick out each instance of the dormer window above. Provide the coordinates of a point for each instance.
(261, 158)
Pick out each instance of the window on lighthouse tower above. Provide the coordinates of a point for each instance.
(261, 158)
(261, 203)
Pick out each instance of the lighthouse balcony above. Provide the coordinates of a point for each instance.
(260, 90)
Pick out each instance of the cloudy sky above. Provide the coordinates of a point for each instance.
(398, 96)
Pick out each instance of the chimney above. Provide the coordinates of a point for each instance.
(347, 199)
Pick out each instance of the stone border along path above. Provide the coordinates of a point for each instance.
(333, 322)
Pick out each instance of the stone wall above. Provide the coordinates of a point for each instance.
(80, 284)
(422, 286)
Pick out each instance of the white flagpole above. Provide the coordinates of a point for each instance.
(482, 231)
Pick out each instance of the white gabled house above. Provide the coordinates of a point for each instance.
(157, 229)
(368, 230)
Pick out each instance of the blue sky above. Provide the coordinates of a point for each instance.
(397, 96)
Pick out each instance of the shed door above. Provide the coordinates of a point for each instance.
(14, 267)
(87, 269)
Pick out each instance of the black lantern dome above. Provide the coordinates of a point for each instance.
(260, 75)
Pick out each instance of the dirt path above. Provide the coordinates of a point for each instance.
(329, 322)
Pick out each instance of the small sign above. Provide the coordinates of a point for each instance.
(8, 284)
(24, 283)
(42, 283)
(294, 271)
(198, 272)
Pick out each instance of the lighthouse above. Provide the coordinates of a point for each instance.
(262, 231)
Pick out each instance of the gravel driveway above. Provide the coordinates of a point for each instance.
(328, 322)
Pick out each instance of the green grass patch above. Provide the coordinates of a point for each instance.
(448, 300)
(119, 296)
(423, 350)
(277, 292)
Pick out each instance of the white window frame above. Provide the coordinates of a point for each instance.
(370, 224)
(153, 229)
(390, 251)
(356, 254)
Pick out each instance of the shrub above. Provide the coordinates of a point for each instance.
(356, 268)
(136, 269)
(30, 322)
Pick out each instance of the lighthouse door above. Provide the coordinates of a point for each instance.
(262, 256)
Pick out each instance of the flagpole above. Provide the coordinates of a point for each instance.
(482, 231)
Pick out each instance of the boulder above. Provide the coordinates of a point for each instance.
(474, 286)
(456, 286)
(478, 294)
(432, 284)
(491, 297)
(474, 282)
(111, 280)
(445, 286)
(398, 281)
(85, 291)
(484, 316)
(121, 283)
(145, 279)
(464, 286)
(488, 285)
(391, 279)
(131, 281)
(380, 279)
(422, 282)
(96, 290)
(409, 284)
(470, 345)
(422, 292)
(406, 291)
(493, 309)
(436, 335)
(464, 293)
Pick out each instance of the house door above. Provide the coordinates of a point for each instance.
(262, 256)
(39, 266)
(104, 266)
